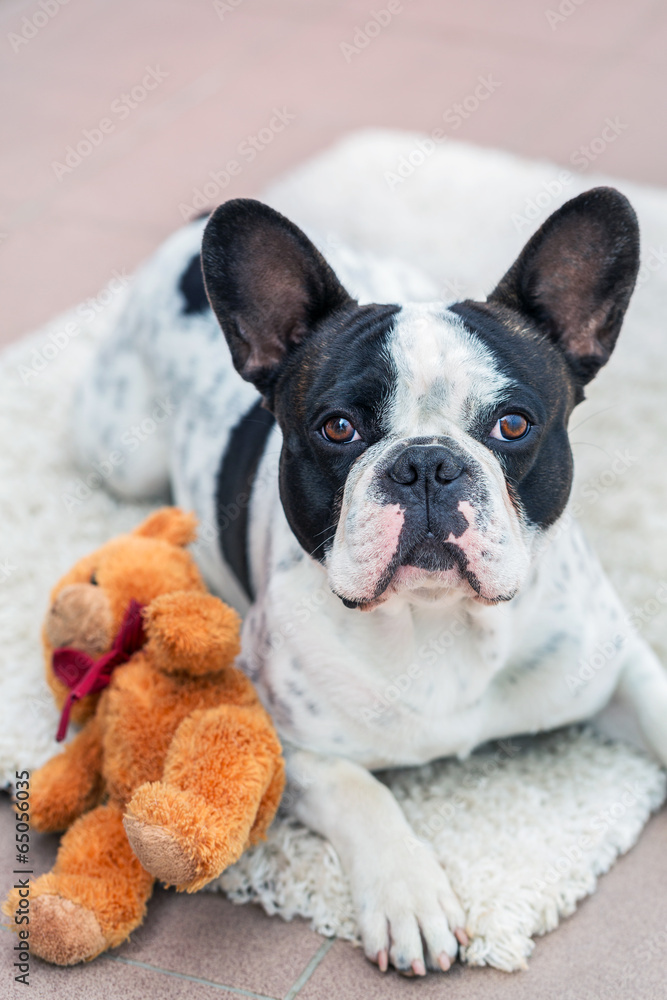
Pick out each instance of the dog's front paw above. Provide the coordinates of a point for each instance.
(408, 913)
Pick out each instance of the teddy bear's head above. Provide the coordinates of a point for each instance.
(89, 603)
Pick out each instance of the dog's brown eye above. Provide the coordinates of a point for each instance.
(339, 430)
(511, 427)
(93, 579)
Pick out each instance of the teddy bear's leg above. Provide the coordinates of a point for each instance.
(95, 895)
(69, 784)
(223, 778)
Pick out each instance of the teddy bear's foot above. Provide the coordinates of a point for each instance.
(180, 838)
(159, 852)
(94, 897)
(63, 932)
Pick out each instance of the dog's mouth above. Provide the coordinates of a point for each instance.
(429, 568)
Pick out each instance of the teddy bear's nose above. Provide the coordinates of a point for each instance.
(80, 617)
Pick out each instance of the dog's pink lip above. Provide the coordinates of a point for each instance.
(406, 573)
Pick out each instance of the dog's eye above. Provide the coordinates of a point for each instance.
(511, 427)
(94, 580)
(339, 430)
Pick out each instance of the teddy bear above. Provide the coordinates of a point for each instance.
(176, 769)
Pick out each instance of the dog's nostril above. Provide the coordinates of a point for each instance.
(405, 474)
(430, 463)
(447, 472)
(406, 469)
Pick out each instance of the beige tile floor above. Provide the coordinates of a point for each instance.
(201, 946)
(222, 69)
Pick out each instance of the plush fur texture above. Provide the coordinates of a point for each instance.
(177, 769)
(454, 220)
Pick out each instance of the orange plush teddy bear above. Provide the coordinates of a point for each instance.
(177, 768)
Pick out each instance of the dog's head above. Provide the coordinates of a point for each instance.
(425, 446)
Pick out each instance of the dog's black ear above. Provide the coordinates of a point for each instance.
(267, 284)
(574, 278)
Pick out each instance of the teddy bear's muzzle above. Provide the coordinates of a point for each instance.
(80, 617)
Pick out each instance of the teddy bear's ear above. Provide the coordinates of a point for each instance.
(171, 524)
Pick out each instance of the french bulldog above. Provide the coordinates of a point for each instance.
(382, 490)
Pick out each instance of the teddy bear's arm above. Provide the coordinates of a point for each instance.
(223, 779)
(192, 633)
(70, 783)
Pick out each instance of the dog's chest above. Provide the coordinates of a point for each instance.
(406, 692)
(417, 683)
(421, 692)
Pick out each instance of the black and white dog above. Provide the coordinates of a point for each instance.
(385, 485)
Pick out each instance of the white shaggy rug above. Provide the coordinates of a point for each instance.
(526, 827)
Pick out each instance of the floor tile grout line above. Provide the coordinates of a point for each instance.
(310, 968)
(238, 990)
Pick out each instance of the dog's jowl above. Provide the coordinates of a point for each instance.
(373, 479)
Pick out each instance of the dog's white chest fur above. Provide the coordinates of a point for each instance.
(427, 677)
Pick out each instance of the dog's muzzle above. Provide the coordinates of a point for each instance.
(428, 481)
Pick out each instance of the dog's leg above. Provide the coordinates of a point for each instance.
(643, 685)
(407, 911)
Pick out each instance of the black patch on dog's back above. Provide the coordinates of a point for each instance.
(234, 489)
(191, 287)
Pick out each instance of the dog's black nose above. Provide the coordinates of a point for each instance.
(419, 465)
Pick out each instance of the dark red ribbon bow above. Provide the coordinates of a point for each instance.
(83, 675)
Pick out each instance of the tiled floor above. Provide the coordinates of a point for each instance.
(221, 68)
(202, 946)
